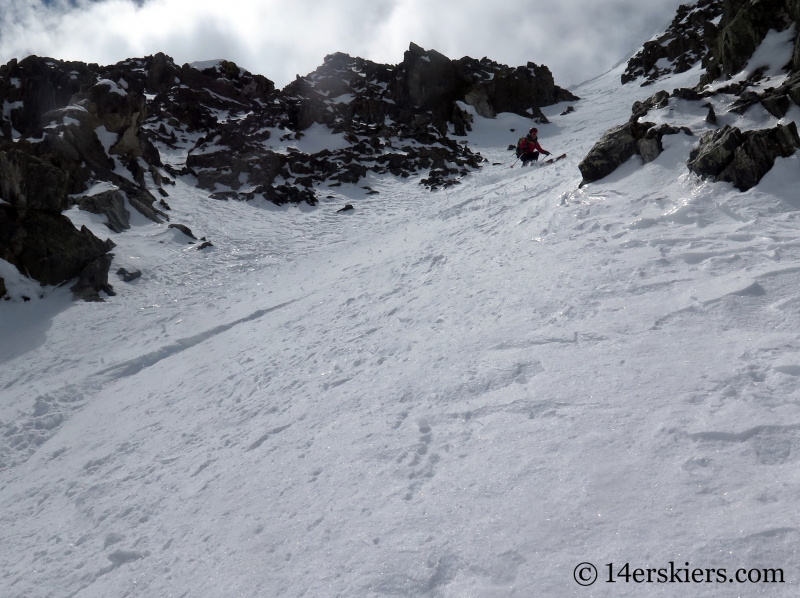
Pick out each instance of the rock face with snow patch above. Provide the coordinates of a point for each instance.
(742, 158)
(67, 126)
(685, 42)
(110, 203)
(46, 246)
(57, 119)
(34, 236)
(394, 119)
(620, 144)
(723, 34)
(744, 25)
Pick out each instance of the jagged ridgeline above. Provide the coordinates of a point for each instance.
(723, 36)
(69, 126)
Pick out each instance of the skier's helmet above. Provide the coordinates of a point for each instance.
(534, 131)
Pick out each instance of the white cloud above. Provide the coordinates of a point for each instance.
(577, 39)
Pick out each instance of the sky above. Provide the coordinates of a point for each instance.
(576, 39)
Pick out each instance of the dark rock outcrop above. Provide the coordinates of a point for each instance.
(112, 204)
(715, 151)
(686, 41)
(743, 27)
(742, 158)
(650, 146)
(28, 183)
(616, 146)
(66, 126)
(128, 275)
(724, 35)
(93, 279)
(376, 107)
(46, 246)
(184, 229)
(656, 101)
(35, 86)
(2, 287)
(620, 144)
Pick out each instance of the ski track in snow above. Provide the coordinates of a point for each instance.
(460, 393)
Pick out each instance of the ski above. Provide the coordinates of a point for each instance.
(549, 161)
(556, 159)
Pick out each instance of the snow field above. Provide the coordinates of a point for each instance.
(450, 394)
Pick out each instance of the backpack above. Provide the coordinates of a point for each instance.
(521, 143)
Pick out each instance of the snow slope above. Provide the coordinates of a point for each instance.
(464, 393)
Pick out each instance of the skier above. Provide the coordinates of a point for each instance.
(528, 149)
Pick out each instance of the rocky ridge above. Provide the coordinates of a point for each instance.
(93, 136)
(724, 35)
(687, 40)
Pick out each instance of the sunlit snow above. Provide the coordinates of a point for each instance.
(460, 393)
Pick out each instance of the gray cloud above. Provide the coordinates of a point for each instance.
(577, 39)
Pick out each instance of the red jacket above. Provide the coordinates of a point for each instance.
(529, 146)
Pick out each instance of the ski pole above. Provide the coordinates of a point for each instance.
(515, 161)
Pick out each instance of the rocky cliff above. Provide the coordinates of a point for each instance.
(68, 126)
(723, 36)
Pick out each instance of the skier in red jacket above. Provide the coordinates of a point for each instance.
(530, 147)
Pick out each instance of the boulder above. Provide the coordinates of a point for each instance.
(686, 93)
(776, 104)
(756, 156)
(141, 200)
(615, 147)
(794, 92)
(742, 158)
(93, 279)
(715, 151)
(46, 246)
(621, 143)
(657, 100)
(283, 194)
(184, 229)
(112, 204)
(128, 275)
